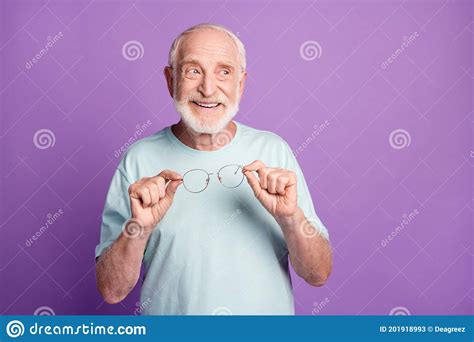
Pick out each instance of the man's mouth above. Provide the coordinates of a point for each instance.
(208, 105)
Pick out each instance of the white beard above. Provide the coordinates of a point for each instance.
(203, 125)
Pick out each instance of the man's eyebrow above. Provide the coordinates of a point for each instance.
(226, 64)
(190, 61)
(195, 61)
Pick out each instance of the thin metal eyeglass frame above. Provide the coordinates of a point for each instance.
(218, 177)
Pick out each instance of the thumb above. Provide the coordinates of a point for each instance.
(253, 182)
(172, 187)
(135, 204)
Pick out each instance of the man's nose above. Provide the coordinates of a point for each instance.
(208, 86)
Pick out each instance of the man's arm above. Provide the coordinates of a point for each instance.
(276, 189)
(118, 269)
(310, 253)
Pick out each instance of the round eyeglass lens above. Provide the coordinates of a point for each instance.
(231, 176)
(195, 180)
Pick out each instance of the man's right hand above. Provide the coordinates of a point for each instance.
(151, 197)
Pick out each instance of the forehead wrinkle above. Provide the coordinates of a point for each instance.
(200, 50)
(216, 60)
(226, 50)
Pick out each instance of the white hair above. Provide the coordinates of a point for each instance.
(175, 46)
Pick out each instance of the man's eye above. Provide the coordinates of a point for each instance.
(225, 72)
(193, 71)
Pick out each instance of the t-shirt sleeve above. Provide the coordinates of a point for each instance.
(305, 201)
(116, 211)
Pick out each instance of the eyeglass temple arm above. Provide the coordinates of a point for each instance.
(238, 167)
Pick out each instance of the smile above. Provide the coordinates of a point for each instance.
(206, 105)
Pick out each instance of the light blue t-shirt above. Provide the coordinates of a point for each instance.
(218, 251)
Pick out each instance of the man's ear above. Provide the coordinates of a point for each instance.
(168, 72)
(242, 83)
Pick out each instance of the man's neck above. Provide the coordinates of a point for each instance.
(204, 141)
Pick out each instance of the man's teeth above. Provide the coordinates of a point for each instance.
(207, 105)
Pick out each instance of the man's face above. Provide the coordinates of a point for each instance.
(207, 80)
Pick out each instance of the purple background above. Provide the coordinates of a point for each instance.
(92, 98)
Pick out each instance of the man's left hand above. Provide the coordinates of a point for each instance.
(275, 188)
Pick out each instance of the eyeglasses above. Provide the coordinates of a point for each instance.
(197, 180)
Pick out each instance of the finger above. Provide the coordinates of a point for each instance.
(281, 184)
(161, 184)
(292, 177)
(169, 175)
(272, 181)
(262, 171)
(263, 175)
(154, 193)
(253, 182)
(145, 196)
(254, 166)
(133, 191)
(172, 187)
(274, 178)
(135, 204)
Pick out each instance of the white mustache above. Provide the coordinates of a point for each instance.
(194, 98)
